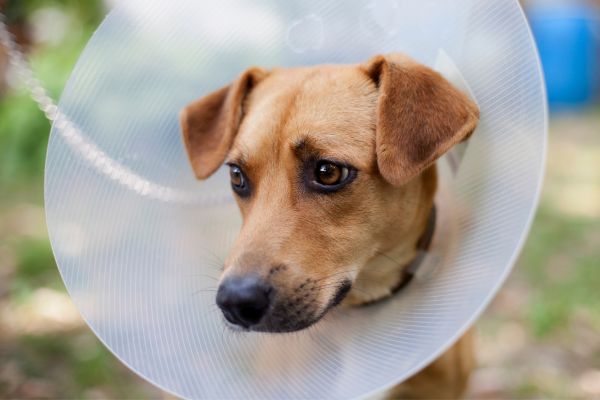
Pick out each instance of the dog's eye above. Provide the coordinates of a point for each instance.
(330, 174)
(238, 180)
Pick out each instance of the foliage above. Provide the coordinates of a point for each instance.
(24, 129)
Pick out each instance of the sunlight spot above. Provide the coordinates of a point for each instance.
(589, 382)
(46, 311)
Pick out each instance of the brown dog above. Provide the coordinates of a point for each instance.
(333, 169)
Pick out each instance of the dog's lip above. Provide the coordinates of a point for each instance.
(262, 328)
(265, 329)
(341, 293)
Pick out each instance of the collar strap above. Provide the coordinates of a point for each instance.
(422, 247)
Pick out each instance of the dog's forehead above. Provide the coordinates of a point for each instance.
(333, 106)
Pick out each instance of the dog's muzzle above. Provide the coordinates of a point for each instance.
(251, 303)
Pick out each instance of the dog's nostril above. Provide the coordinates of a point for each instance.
(243, 300)
(251, 314)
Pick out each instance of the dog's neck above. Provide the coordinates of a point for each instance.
(388, 272)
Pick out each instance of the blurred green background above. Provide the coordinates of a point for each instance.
(540, 337)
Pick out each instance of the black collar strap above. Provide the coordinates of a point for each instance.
(423, 244)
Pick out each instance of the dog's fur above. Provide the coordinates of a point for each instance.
(390, 119)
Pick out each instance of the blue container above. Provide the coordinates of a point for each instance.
(568, 38)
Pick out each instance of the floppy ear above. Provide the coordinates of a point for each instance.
(420, 116)
(209, 124)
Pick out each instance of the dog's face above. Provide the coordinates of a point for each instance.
(327, 166)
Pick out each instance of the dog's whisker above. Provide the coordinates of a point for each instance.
(353, 288)
(362, 290)
(396, 262)
(328, 285)
(215, 265)
(338, 273)
(367, 279)
(202, 291)
(223, 332)
(213, 260)
(204, 276)
(342, 311)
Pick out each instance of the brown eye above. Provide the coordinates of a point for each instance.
(237, 178)
(330, 174)
(239, 182)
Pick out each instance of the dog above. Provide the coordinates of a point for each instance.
(333, 170)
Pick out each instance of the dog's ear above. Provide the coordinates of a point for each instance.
(420, 116)
(209, 124)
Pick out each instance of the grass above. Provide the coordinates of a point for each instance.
(563, 264)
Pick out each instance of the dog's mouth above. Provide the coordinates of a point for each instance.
(296, 310)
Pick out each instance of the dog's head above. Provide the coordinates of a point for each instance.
(330, 166)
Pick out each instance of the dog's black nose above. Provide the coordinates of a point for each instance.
(244, 300)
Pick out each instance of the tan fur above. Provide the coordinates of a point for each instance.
(390, 118)
(420, 116)
(445, 378)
